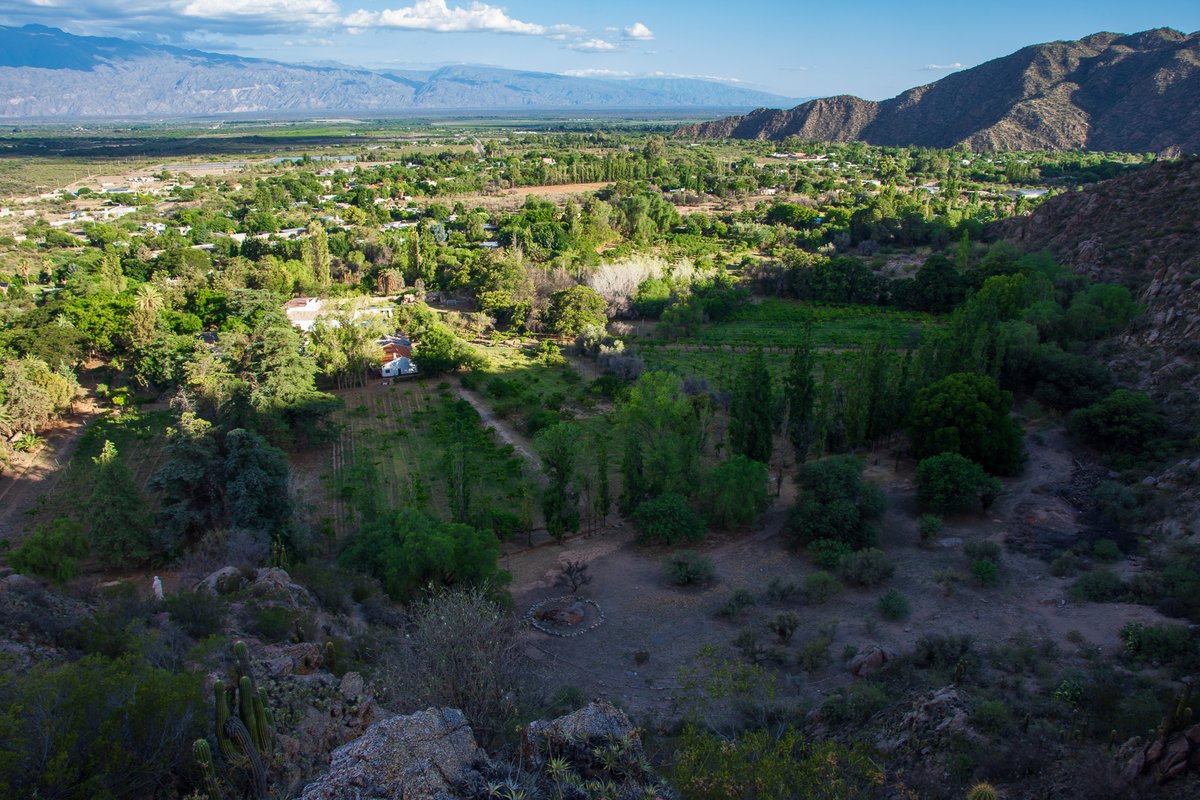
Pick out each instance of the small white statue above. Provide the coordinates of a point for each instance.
(158, 592)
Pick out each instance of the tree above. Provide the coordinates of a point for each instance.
(120, 522)
(52, 551)
(836, 503)
(189, 485)
(661, 439)
(316, 255)
(560, 502)
(439, 351)
(32, 394)
(1125, 421)
(572, 310)
(409, 549)
(948, 482)
(256, 488)
(800, 393)
(968, 414)
(734, 493)
(668, 519)
(752, 411)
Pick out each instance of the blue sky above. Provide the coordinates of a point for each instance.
(871, 48)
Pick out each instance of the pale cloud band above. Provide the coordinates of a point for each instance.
(943, 67)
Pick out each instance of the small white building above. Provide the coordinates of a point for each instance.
(400, 367)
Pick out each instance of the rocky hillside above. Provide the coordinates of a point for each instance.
(45, 72)
(1136, 93)
(1142, 231)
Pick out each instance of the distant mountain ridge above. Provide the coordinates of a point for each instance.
(47, 73)
(1107, 91)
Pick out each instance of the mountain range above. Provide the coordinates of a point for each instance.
(48, 73)
(1107, 91)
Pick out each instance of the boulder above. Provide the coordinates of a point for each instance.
(597, 721)
(429, 755)
(871, 660)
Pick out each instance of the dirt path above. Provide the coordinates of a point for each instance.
(37, 475)
(503, 429)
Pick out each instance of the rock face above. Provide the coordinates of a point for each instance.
(429, 755)
(1141, 231)
(1107, 91)
(1167, 758)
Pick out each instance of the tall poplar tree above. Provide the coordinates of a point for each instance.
(752, 411)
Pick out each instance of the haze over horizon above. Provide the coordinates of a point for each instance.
(871, 49)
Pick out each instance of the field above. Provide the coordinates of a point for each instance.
(398, 445)
(777, 327)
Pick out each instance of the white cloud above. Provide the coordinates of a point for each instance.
(597, 73)
(593, 46)
(943, 67)
(311, 12)
(717, 78)
(639, 31)
(438, 17)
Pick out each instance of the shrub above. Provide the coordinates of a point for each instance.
(893, 605)
(854, 705)
(942, 651)
(929, 526)
(1064, 565)
(1160, 644)
(985, 572)
(736, 603)
(982, 549)
(949, 482)
(991, 716)
(1101, 586)
(820, 587)
(200, 614)
(770, 766)
(784, 625)
(1106, 550)
(330, 585)
(52, 551)
(814, 654)
(99, 728)
(273, 624)
(747, 644)
(1115, 501)
(869, 567)
(689, 568)
(779, 590)
(668, 519)
(828, 553)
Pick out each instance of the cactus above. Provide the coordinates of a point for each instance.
(330, 657)
(236, 730)
(960, 671)
(982, 791)
(245, 736)
(1179, 714)
(203, 754)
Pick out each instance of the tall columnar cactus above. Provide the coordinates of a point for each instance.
(246, 736)
(203, 754)
(982, 791)
(1179, 714)
(330, 657)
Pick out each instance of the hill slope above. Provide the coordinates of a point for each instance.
(45, 72)
(1142, 231)
(1107, 91)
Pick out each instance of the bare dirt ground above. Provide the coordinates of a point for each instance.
(34, 476)
(513, 199)
(644, 612)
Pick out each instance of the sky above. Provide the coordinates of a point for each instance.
(870, 48)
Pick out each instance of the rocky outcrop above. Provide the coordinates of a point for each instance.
(433, 755)
(869, 661)
(1134, 93)
(1166, 758)
(430, 755)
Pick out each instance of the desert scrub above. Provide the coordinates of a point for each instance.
(985, 572)
(1101, 586)
(854, 705)
(1106, 550)
(869, 567)
(982, 550)
(828, 553)
(737, 602)
(929, 526)
(784, 625)
(689, 568)
(821, 587)
(893, 605)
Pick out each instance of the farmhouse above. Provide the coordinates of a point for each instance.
(397, 360)
(303, 312)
